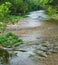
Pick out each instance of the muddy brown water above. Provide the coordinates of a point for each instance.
(34, 30)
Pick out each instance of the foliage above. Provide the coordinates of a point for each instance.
(4, 10)
(5, 16)
(49, 5)
(10, 40)
(20, 7)
(2, 27)
(51, 10)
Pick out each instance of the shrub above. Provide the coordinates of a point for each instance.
(4, 10)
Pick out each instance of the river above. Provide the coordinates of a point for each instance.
(34, 30)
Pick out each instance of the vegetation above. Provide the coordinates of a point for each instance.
(6, 17)
(49, 5)
(21, 7)
(10, 40)
(4, 10)
(12, 10)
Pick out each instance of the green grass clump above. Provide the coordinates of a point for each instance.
(10, 40)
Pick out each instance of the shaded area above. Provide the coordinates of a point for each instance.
(4, 57)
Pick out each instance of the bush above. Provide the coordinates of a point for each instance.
(10, 40)
(4, 10)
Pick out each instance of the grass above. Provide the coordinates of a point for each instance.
(10, 40)
(55, 17)
(12, 18)
(15, 19)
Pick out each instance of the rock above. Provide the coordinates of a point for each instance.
(41, 54)
(45, 44)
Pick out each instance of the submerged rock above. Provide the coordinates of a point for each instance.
(44, 49)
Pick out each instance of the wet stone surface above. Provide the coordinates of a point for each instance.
(28, 55)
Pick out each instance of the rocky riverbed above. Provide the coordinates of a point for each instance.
(40, 36)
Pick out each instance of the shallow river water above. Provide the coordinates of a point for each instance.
(34, 30)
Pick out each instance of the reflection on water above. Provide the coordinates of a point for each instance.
(4, 57)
